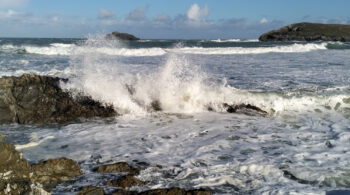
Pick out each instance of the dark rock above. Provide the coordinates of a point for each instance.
(53, 171)
(329, 144)
(122, 36)
(245, 109)
(39, 99)
(15, 173)
(126, 182)
(118, 167)
(168, 191)
(309, 32)
(176, 191)
(91, 190)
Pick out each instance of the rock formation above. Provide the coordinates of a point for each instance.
(34, 99)
(17, 176)
(122, 36)
(309, 32)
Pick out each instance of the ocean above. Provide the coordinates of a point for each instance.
(302, 146)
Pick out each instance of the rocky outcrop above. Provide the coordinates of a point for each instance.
(34, 99)
(309, 32)
(126, 181)
(91, 190)
(166, 191)
(17, 176)
(118, 167)
(53, 171)
(122, 36)
(247, 109)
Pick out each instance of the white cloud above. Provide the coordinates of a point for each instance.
(12, 3)
(196, 13)
(106, 17)
(263, 20)
(137, 14)
(105, 14)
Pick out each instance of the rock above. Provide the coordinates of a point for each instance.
(91, 190)
(168, 191)
(15, 173)
(309, 32)
(176, 191)
(118, 167)
(126, 181)
(122, 36)
(245, 109)
(53, 171)
(1, 138)
(38, 99)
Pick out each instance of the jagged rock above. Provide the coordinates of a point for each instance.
(176, 191)
(39, 99)
(15, 173)
(118, 167)
(122, 36)
(91, 190)
(126, 182)
(53, 171)
(309, 32)
(245, 109)
(168, 191)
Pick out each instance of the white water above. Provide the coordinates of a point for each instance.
(72, 49)
(230, 153)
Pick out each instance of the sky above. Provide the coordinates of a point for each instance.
(163, 19)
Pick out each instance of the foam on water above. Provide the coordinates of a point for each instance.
(179, 86)
(118, 50)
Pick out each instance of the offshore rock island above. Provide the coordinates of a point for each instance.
(309, 32)
(122, 36)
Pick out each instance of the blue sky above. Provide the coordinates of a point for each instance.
(172, 19)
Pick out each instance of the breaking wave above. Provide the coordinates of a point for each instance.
(73, 49)
(179, 86)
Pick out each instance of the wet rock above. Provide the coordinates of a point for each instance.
(176, 191)
(329, 144)
(126, 182)
(91, 190)
(245, 109)
(122, 36)
(34, 99)
(117, 167)
(15, 173)
(168, 191)
(53, 171)
(309, 32)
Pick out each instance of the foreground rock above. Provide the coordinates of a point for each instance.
(122, 36)
(54, 171)
(126, 181)
(91, 190)
(17, 176)
(39, 99)
(309, 32)
(245, 109)
(168, 191)
(118, 167)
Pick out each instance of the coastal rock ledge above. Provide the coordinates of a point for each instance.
(122, 36)
(309, 32)
(34, 99)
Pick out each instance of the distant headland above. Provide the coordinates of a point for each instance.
(122, 36)
(309, 32)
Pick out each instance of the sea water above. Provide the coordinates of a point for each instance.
(300, 147)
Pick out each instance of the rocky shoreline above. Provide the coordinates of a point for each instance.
(309, 32)
(18, 177)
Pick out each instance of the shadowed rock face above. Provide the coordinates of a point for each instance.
(53, 171)
(17, 176)
(309, 32)
(34, 99)
(117, 167)
(122, 36)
